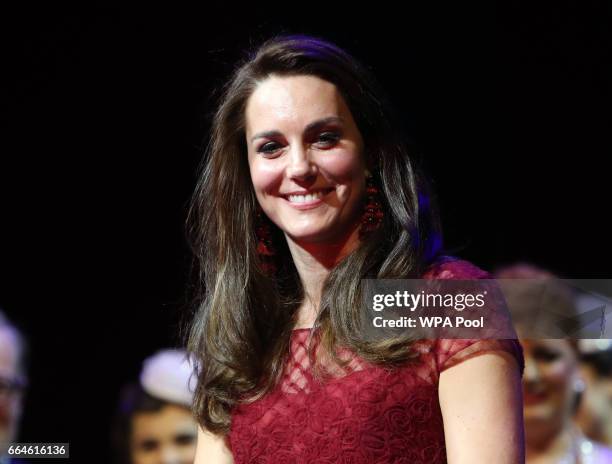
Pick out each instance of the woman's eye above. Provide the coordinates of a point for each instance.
(329, 138)
(185, 439)
(148, 445)
(545, 355)
(268, 148)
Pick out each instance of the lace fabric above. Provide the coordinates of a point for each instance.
(365, 413)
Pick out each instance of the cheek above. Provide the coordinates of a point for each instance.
(343, 168)
(187, 454)
(141, 456)
(265, 176)
(559, 375)
(4, 414)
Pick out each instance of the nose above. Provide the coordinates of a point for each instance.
(300, 165)
(532, 372)
(171, 455)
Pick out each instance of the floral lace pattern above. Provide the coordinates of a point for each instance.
(367, 414)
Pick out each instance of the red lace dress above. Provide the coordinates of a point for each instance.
(370, 415)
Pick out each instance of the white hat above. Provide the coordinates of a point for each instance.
(168, 375)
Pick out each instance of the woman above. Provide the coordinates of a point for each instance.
(552, 383)
(154, 424)
(307, 188)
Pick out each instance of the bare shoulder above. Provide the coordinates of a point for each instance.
(212, 449)
(481, 404)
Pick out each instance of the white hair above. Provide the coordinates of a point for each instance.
(5, 324)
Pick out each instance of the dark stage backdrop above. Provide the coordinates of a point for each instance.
(105, 109)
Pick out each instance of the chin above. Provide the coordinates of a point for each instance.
(315, 236)
(328, 231)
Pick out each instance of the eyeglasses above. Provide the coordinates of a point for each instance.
(10, 387)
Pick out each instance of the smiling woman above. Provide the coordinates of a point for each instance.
(552, 384)
(309, 178)
(307, 188)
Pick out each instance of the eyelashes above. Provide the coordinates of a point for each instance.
(267, 148)
(326, 139)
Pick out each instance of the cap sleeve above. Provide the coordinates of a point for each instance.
(450, 352)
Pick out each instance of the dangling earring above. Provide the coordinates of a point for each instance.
(373, 215)
(265, 246)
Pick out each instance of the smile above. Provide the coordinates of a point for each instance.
(309, 198)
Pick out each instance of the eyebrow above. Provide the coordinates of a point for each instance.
(309, 128)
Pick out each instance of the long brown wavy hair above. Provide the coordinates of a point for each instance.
(244, 315)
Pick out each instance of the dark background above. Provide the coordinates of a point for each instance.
(105, 108)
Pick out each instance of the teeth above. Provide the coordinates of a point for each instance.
(305, 198)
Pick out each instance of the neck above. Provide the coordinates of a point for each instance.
(314, 261)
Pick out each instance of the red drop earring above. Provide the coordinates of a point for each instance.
(373, 215)
(265, 245)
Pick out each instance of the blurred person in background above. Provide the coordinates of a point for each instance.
(595, 412)
(12, 384)
(552, 381)
(154, 424)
